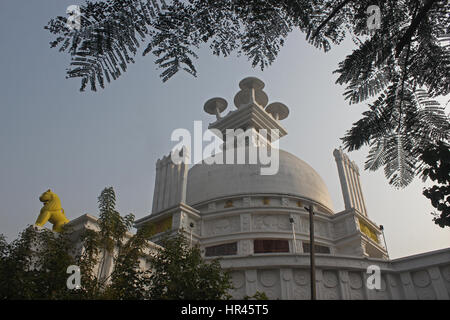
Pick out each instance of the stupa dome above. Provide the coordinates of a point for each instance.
(295, 177)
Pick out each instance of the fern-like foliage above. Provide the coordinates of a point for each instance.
(403, 77)
(110, 35)
(112, 31)
(397, 135)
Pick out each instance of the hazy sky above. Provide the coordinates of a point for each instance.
(53, 136)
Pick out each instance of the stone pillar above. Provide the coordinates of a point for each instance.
(167, 183)
(251, 282)
(343, 284)
(286, 284)
(342, 177)
(170, 183)
(359, 188)
(183, 180)
(350, 182)
(319, 285)
(157, 189)
(355, 183)
(161, 185)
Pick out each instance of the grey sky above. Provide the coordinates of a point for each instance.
(53, 136)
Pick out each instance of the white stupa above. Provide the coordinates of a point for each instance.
(250, 221)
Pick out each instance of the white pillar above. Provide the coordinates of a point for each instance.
(355, 185)
(157, 189)
(170, 183)
(360, 193)
(350, 182)
(342, 177)
(173, 184)
(183, 178)
(162, 196)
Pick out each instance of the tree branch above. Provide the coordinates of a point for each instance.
(413, 27)
(332, 14)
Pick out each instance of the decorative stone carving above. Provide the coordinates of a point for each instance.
(238, 279)
(285, 202)
(251, 276)
(330, 295)
(392, 281)
(286, 274)
(356, 295)
(330, 279)
(212, 206)
(383, 285)
(183, 221)
(304, 225)
(421, 278)
(251, 282)
(343, 276)
(222, 226)
(301, 277)
(245, 247)
(245, 220)
(301, 293)
(271, 222)
(406, 279)
(269, 278)
(355, 280)
(247, 202)
(426, 294)
(445, 271)
(434, 273)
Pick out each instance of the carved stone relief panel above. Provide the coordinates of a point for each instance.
(422, 282)
(304, 225)
(246, 221)
(222, 226)
(320, 227)
(271, 222)
(238, 281)
(301, 289)
(445, 272)
(245, 247)
(330, 283)
(212, 206)
(269, 282)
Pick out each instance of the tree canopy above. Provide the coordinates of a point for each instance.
(34, 266)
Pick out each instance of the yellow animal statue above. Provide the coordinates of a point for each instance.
(51, 211)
